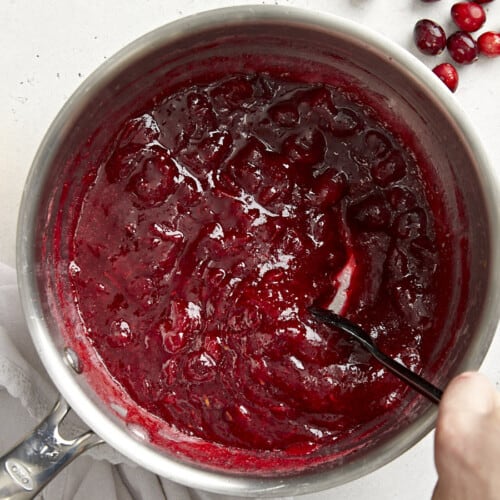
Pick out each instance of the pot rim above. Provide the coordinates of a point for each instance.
(64, 377)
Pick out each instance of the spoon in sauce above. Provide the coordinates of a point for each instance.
(415, 381)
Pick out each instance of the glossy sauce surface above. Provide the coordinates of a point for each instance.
(219, 216)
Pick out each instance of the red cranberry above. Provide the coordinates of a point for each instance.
(484, 1)
(330, 187)
(120, 334)
(184, 118)
(389, 170)
(489, 44)
(199, 367)
(448, 74)
(411, 225)
(142, 131)
(345, 122)
(462, 47)
(374, 147)
(210, 151)
(305, 148)
(232, 93)
(468, 16)
(284, 114)
(370, 213)
(429, 37)
(401, 199)
(317, 98)
(156, 179)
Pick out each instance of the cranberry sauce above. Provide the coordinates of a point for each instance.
(219, 216)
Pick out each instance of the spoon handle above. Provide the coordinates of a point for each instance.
(414, 380)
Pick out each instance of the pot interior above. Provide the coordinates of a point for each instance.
(301, 51)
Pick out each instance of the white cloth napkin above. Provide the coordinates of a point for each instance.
(27, 395)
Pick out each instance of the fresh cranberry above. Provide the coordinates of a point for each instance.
(462, 47)
(448, 74)
(468, 16)
(429, 37)
(489, 44)
(484, 1)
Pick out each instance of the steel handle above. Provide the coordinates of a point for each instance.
(30, 465)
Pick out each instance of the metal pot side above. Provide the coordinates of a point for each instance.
(396, 82)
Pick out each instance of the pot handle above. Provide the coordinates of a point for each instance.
(30, 465)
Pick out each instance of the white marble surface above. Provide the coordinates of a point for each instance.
(50, 46)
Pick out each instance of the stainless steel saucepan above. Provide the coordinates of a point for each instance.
(396, 82)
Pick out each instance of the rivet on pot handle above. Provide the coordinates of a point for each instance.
(30, 465)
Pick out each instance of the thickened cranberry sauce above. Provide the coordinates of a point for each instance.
(218, 217)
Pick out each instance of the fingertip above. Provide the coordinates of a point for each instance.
(437, 492)
(471, 392)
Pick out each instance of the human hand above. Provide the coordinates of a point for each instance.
(467, 441)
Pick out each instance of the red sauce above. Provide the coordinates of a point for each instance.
(219, 216)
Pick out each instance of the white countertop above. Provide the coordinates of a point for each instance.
(50, 46)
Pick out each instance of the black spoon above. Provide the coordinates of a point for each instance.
(415, 381)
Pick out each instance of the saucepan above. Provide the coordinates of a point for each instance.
(395, 82)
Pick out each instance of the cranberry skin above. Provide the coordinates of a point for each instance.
(484, 1)
(448, 75)
(489, 44)
(429, 37)
(468, 16)
(462, 47)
